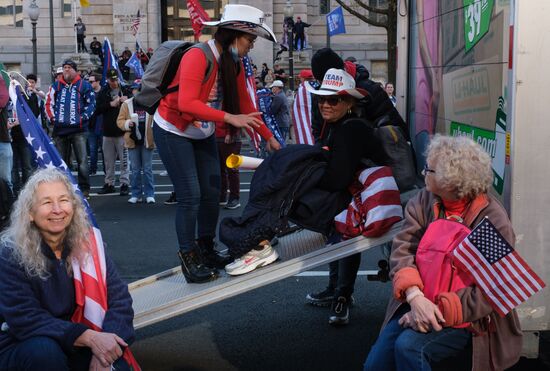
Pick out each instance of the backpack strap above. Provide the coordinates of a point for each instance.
(209, 64)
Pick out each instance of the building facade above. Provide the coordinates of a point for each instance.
(162, 20)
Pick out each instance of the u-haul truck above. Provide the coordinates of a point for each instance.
(480, 68)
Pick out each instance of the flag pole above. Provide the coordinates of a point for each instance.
(74, 28)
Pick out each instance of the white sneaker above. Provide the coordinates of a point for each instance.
(134, 200)
(150, 200)
(252, 260)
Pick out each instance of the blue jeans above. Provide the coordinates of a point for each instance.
(77, 142)
(22, 164)
(94, 145)
(398, 348)
(6, 162)
(44, 353)
(141, 158)
(193, 166)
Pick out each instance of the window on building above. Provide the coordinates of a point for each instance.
(66, 8)
(11, 13)
(324, 7)
(176, 23)
(381, 4)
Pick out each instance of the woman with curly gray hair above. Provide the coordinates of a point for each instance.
(48, 229)
(435, 307)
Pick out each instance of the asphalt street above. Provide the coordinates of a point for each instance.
(271, 328)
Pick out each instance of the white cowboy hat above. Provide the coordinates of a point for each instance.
(338, 82)
(244, 18)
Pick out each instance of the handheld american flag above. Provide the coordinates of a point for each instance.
(135, 23)
(503, 276)
(301, 114)
(251, 89)
(109, 61)
(89, 274)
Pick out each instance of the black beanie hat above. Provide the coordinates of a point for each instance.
(323, 60)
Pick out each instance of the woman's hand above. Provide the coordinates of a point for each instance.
(273, 145)
(249, 121)
(95, 365)
(104, 345)
(424, 315)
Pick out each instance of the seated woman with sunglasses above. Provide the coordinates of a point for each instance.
(347, 139)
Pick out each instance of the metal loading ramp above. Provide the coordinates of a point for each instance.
(167, 294)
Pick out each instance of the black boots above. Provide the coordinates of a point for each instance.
(193, 270)
(210, 257)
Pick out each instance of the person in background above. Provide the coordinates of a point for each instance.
(80, 29)
(95, 132)
(138, 138)
(58, 73)
(279, 74)
(48, 229)
(97, 49)
(279, 108)
(70, 94)
(425, 321)
(390, 90)
(109, 100)
(184, 132)
(300, 33)
(228, 139)
(6, 153)
(264, 72)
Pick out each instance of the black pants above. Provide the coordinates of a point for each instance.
(342, 275)
(81, 44)
(301, 38)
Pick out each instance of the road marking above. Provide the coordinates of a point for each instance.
(326, 273)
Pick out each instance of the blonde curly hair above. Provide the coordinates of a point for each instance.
(23, 237)
(461, 165)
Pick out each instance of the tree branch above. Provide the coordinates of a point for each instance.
(372, 9)
(361, 16)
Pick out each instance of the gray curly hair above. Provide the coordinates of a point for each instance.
(24, 238)
(461, 165)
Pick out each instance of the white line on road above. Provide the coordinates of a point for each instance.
(326, 273)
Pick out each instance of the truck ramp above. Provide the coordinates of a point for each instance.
(167, 294)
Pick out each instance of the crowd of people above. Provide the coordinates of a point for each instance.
(194, 129)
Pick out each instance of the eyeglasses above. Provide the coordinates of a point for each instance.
(427, 170)
(331, 100)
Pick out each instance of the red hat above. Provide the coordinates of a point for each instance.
(306, 74)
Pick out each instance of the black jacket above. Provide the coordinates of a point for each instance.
(110, 114)
(277, 187)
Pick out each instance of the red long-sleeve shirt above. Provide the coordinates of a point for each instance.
(189, 102)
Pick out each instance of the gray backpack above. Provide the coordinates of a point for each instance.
(162, 69)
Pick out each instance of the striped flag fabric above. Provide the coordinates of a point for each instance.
(90, 277)
(197, 15)
(135, 23)
(251, 89)
(504, 277)
(375, 206)
(301, 114)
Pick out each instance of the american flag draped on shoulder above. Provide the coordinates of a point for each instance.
(251, 88)
(375, 207)
(90, 277)
(503, 276)
(264, 102)
(301, 114)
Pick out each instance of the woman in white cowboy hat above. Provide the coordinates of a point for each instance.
(212, 91)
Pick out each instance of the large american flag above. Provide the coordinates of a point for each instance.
(135, 23)
(251, 89)
(503, 276)
(301, 114)
(90, 277)
(375, 206)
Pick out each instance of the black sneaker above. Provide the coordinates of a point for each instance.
(171, 200)
(321, 299)
(339, 312)
(233, 204)
(107, 188)
(211, 257)
(193, 270)
(124, 190)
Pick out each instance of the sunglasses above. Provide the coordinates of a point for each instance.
(331, 100)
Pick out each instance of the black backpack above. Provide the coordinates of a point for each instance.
(162, 69)
(6, 202)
